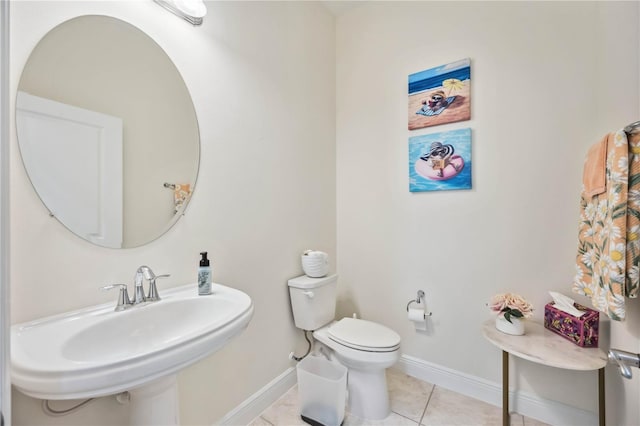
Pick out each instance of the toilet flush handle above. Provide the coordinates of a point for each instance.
(309, 294)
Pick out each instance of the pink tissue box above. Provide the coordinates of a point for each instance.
(582, 331)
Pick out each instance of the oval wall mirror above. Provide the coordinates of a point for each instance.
(107, 131)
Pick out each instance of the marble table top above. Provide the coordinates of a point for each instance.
(545, 347)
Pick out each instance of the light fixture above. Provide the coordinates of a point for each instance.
(190, 10)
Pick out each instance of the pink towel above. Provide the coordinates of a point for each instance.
(594, 173)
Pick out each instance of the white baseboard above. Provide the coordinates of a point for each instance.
(251, 408)
(529, 405)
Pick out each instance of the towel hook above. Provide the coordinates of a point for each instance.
(419, 299)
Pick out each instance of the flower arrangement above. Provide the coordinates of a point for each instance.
(511, 305)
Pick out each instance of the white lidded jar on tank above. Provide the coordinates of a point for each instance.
(315, 264)
(313, 301)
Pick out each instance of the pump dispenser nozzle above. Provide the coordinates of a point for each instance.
(204, 261)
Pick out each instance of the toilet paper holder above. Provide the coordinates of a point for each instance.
(419, 299)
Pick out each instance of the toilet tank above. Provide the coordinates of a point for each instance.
(313, 301)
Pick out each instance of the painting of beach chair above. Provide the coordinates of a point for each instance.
(435, 104)
(440, 95)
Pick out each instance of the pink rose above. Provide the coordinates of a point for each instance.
(515, 301)
(511, 301)
(497, 303)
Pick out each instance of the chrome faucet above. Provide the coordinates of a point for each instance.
(123, 297)
(153, 295)
(624, 360)
(143, 272)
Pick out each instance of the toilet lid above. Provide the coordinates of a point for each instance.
(364, 335)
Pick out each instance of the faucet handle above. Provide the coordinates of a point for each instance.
(123, 297)
(153, 290)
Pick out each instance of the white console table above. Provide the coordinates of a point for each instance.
(544, 347)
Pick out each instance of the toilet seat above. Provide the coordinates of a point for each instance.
(364, 335)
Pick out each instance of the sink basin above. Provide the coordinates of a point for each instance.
(96, 351)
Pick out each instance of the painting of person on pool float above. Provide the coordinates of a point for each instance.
(440, 161)
(440, 95)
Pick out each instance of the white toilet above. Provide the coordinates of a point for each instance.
(364, 347)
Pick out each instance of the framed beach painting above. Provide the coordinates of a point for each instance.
(440, 161)
(440, 95)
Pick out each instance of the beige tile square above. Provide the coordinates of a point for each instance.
(408, 396)
(533, 422)
(259, 421)
(515, 419)
(285, 411)
(452, 409)
(393, 420)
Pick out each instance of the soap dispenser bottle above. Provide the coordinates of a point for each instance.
(204, 275)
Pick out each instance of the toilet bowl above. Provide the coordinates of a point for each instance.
(367, 349)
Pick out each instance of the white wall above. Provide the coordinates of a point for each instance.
(261, 76)
(548, 80)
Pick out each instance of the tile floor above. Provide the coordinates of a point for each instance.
(413, 402)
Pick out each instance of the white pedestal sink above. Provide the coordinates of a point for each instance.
(155, 403)
(96, 351)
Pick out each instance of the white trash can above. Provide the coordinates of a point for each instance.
(322, 389)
